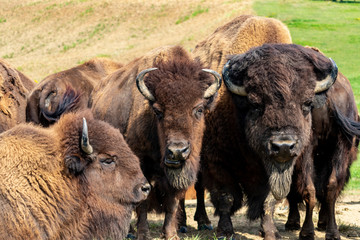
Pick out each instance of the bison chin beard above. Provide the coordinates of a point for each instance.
(280, 177)
(181, 178)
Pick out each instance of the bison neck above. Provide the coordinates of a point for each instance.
(107, 220)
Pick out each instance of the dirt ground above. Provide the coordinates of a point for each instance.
(347, 217)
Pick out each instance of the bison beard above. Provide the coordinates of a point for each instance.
(181, 178)
(279, 177)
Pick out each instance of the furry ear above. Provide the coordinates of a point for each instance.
(211, 103)
(323, 67)
(75, 165)
(320, 100)
(236, 68)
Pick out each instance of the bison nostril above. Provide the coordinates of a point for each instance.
(178, 151)
(283, 147)
(185, 152)
(146, 188)
(275, 147)
(292, 146)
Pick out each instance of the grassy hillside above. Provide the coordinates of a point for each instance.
(43, 37)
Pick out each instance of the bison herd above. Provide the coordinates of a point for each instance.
(104, 139)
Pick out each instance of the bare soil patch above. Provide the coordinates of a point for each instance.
(347, 216)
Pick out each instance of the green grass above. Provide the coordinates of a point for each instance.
(354, 182)
(197, 11)
(332, 27)
(10, 55)
(87, 12)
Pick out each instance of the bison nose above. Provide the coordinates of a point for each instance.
(177, 153)
(145, 189)
(283, 148)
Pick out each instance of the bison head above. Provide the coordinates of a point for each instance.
(180, 92)
(274, 88)
(50, 99)
(97, 155)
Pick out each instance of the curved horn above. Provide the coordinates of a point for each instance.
(85, 144)
(213, 87)
(141, 85)
(238, 90)
(326, 83)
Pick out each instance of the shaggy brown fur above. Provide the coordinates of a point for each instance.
(238, 36)
(14, 88)
(51, 189)
(279, 80)
(43, 102)
(149, 127)
(335, 149)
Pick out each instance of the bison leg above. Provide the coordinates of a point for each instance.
(200, 214)
(293, 221)
(224, 205)
(182, 216)
(170, 222)
(307, 232)
(143, 232)
(268, 228)
(323, 217)
(332, 231)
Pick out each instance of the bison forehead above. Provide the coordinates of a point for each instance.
(180, 97)
(277, 81)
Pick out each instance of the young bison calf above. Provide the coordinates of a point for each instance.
(68, 182)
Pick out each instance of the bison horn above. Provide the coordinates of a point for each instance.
(85, 144)
(141, 85)
(326, 83)
(238, 90)
(213, 87)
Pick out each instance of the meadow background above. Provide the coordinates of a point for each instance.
(43, 37)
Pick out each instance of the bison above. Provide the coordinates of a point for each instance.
(279, 109)
(235, 37)
(77, 179)
(44, 104)
(158, 102)
(335, 148)
(15, 87)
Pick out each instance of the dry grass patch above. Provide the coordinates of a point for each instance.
(43, 37)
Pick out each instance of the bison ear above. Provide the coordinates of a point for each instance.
(75, 165)
(234, 70)
(320, 100)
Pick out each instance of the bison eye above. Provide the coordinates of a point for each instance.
(198, 111)
(306, 107)
(159, 114)
(107, 161)
(257, 107)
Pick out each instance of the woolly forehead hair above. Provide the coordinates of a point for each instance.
(181, 77)
(276, 71)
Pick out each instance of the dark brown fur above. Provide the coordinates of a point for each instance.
(335, 126)
(150, 126)
(14, 88)
(280, 81)
(51, 189)
(44, 100)
(238, 36)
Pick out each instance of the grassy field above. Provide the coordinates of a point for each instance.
(334, 28)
